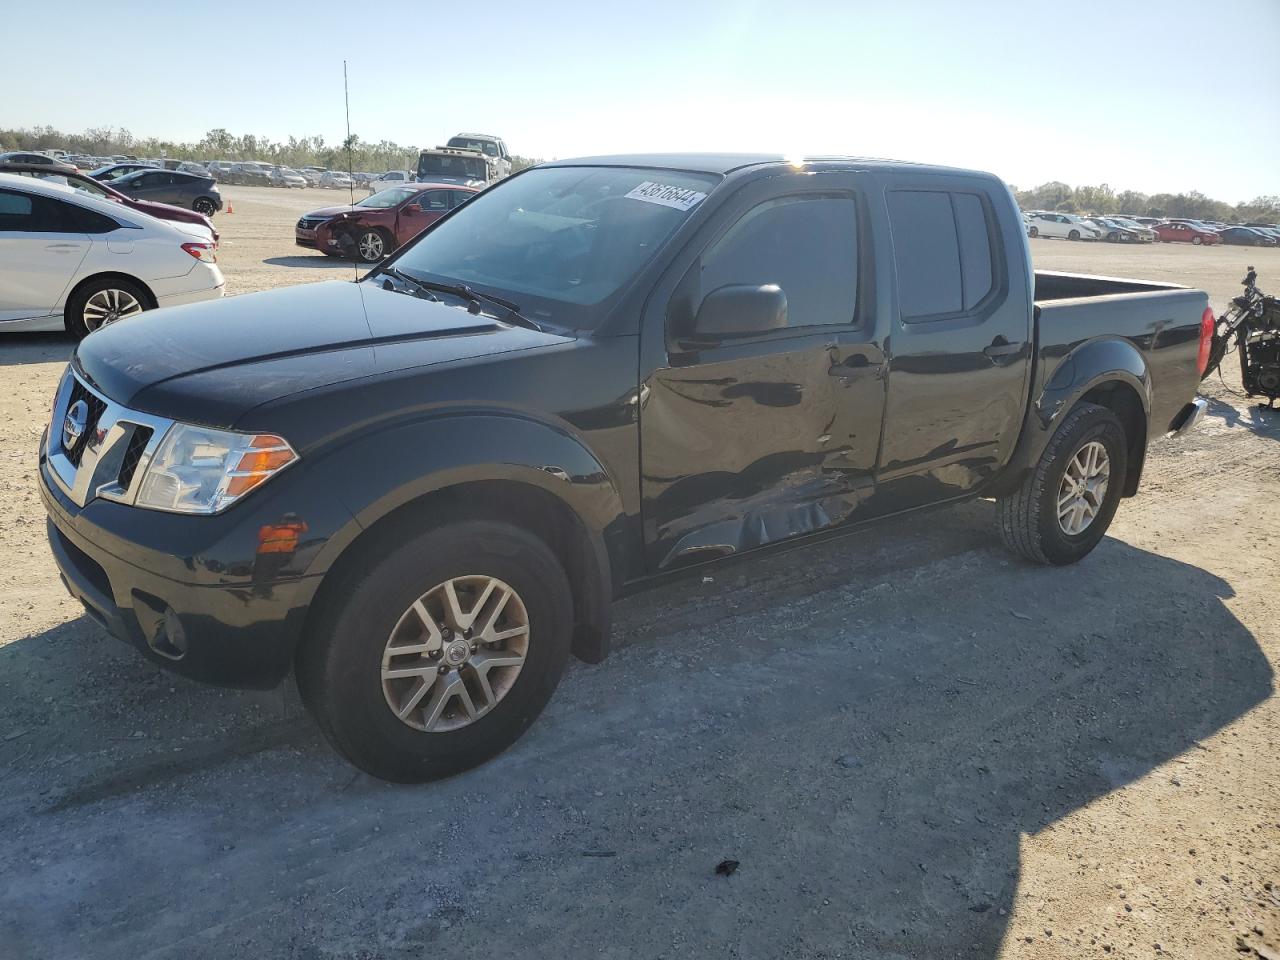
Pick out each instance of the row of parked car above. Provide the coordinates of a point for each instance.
(1132, 229)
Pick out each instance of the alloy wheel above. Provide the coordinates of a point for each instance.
(108, 306)
(371, 246)
(455, 653)
(1083, 488)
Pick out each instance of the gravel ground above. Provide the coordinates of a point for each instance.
(914, 745)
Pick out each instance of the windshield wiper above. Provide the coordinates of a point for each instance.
(474, 297)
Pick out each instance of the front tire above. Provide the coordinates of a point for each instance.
(372, 245)
(1073, 235)
(1196, 241)
(1064, 506)
(1033, 232)
(440, 655)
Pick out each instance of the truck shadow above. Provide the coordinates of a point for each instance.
(869, 727)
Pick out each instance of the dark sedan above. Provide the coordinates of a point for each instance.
(39, 159)
(170, 186)
(114, 171)
(1246, 237)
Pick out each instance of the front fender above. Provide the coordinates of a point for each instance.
(1092, 364)
(389, 468)
(377, 474)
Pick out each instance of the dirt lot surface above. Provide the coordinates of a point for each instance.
(914, 745)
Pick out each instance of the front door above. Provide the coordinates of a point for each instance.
(419, 212)
(41, 251)
(752, 439)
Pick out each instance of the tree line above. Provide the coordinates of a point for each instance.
(221, 144)
(1102, 200)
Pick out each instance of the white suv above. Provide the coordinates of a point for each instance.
(71, 261)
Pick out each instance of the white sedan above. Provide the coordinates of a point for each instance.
(1063, 225)
(69, 261)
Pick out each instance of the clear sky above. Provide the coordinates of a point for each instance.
(1154, 95)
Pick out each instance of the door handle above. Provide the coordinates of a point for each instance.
(63, 246)
(857, 361)
(1000, 347)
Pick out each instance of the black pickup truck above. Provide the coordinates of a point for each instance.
(421, 491)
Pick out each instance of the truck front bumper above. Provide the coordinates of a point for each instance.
(231, 634)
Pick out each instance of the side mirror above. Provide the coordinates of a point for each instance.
(413, 209)
(740, 310)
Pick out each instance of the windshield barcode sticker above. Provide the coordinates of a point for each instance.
(678, 197)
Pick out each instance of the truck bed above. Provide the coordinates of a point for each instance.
(1053, 285)
(1161, 319)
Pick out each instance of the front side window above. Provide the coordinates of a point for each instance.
(806, 244)
(561, 241)
(16, 213)
(436, 200)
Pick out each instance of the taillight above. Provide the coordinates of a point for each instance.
(201, 251)
(1207, 323)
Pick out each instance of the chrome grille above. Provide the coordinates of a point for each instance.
(96, 405)
(111, 454)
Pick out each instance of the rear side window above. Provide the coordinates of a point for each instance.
(942, 249)
(80, 220)
(807, 245)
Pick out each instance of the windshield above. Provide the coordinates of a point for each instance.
(487, 147)
(559, 240)
(444, 165)
(386, 198)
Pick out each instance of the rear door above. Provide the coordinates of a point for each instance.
(752, 439)
(961, 342)
(41, 250)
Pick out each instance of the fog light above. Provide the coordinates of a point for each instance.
(175, 638)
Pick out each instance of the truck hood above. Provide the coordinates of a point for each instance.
(213, 362)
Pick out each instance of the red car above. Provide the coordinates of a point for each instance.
(104, 191)
(380, 223)
(1184, 233)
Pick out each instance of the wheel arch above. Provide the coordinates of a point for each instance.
(79, 285)
(1110, 372)
(483, 467)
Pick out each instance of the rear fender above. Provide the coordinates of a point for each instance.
(1093, 364)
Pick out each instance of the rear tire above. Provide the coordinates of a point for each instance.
(1031, 520)
(1033, 232)
(204, 205)
(341, 670)
(100, 302)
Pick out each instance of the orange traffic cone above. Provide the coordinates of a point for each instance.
(231, 208)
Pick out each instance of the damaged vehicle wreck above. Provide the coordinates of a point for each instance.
(421, 491)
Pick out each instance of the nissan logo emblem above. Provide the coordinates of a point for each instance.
(74, 424)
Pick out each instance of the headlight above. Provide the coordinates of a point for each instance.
(202, 470)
